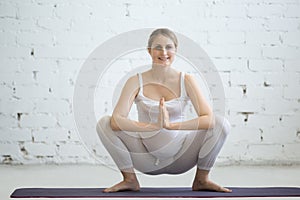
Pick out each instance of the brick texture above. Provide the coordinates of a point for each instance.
(255, 46)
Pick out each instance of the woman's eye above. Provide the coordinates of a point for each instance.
(158, 48)
(169, 47)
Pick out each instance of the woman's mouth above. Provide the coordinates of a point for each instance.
(164, 58)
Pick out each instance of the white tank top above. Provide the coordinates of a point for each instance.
(164, 143)
(148, 108)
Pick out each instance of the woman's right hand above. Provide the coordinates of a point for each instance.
(160, 120)
(163, 116)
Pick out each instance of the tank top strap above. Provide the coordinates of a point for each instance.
(182, 85)
(141, 83)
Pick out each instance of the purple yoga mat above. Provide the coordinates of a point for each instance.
(154, 192)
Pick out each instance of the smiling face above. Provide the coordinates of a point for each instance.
(162, 51)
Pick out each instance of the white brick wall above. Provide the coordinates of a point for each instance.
(255, 45)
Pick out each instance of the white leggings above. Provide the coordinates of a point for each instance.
(201, 148)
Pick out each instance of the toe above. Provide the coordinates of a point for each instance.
(225, 190)
(105, 190)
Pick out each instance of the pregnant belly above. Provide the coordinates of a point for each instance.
(164, 143)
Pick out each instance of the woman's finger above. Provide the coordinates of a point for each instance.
(161, 113)
(162, 101)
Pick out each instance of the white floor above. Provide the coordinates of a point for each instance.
(13, 177)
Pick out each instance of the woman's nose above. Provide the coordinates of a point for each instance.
(164, 51)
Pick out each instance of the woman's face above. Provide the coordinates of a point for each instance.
(162, 51)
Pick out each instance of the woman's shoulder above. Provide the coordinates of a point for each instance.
(189, 80)
(134, 79)
(132, 84)
(188, 77)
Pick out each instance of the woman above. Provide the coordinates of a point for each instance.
(162, 140)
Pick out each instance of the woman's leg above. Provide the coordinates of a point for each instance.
(120, 155)
(113, 144)
(127, 149)
(201, 148)
(128, 152)
(208, 153)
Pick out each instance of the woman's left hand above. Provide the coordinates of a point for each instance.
(164, 114)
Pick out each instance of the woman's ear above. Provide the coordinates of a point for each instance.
(149, 50)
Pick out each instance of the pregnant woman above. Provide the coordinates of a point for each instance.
(163, 141)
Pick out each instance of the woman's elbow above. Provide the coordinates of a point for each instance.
(211, 121)
(114, 126)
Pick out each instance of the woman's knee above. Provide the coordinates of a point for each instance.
(102, 124)
(223, 124)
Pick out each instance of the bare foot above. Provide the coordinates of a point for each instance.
(208, 185)
(124, 185)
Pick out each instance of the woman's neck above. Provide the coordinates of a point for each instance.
(161, 73)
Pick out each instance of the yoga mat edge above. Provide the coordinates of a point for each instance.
(180, 192)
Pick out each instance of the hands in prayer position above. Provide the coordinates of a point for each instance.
(163, 117)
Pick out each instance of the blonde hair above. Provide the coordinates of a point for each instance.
(165, 32)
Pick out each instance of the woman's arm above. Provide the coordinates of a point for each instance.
(119, 120)
(205, 119)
